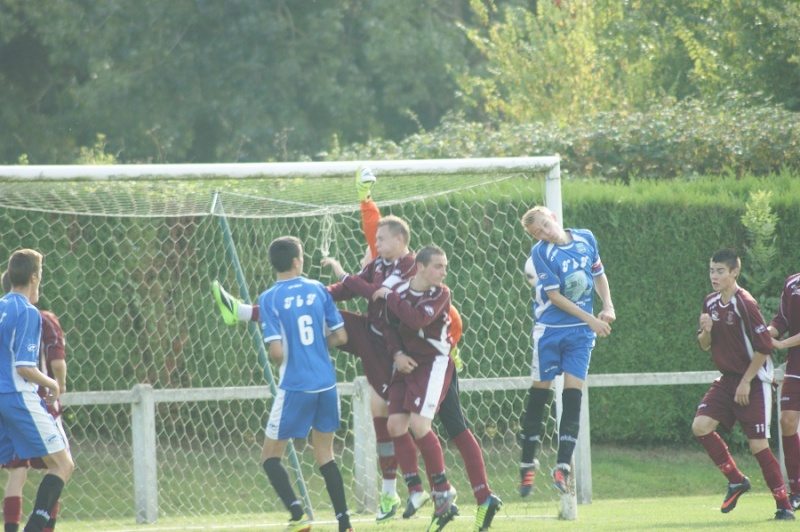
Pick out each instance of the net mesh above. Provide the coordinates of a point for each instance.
(127, 269)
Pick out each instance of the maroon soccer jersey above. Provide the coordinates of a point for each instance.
(738, 331)
(374, 275)
(787, 320)
(52, 347)
(422, 320)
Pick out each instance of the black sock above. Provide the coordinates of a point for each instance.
(47, 496)
(570, 423)
(335, 486)
(279, 479)
(11, 527)
(530, 437)
(412, 480)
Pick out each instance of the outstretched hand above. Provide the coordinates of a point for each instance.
(330, 262)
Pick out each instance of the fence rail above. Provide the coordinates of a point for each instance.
(143, 399)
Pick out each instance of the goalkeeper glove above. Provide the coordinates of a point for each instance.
(455, 354)
(365, 179)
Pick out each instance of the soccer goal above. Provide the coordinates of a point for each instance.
(130, 252)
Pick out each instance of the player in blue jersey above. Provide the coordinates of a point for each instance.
(27, 429)
(568, 270)
(295, 314)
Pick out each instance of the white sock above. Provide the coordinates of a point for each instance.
(390, 486)
(244, 312)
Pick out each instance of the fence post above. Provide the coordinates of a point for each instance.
(364, 448)
(145, 476)
(583, 454)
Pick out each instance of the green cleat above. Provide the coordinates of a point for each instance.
(228, 305)
(388, 508)
(365, 179)
(485, 513)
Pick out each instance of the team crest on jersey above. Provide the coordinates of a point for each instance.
(429, 310)
(715, 315)
(580, 247)
(729, 318)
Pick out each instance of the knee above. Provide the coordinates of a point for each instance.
(701, 428)
(396, 427)
(789, 422)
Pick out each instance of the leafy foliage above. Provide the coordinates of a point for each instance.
(672, 139)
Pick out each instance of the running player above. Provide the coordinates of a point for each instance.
(732, 328)
(787, 321)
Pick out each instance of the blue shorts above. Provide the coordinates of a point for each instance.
(293, 414)
(558, 350)
(27, 429)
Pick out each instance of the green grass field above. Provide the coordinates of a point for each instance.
(633, 489)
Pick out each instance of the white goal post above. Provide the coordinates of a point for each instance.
(134, 247)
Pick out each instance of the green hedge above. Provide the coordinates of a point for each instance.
(688, 138)
(132, 294)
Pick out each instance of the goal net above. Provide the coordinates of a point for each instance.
(129, 259)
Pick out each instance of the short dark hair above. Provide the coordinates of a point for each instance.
(728, 257)
(283, 250)
(426, 254)
(22, 265)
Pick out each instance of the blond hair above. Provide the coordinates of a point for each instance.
(536, 212)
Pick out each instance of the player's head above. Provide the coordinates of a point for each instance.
(25, 272)
(541, 223)
(392, 238)
(283, 251)
(724, 269)
(431, 265)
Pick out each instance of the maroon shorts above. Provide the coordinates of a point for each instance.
(790, 394)
(719, 404)
(423, 390)
(36, 463)
(370, 347)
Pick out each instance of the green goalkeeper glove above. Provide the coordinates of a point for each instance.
(455, 353)
(364, 181)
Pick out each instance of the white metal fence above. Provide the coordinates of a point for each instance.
(143, 400)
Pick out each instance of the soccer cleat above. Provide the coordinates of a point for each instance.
(388, 507)
(794, 500)
(527, 475)
(299, 525)
(485, 513)
(416, 500)
(365, 179)
(784, 514)
(444, 510)
(561, 478)
(228, 305)
(734, 492)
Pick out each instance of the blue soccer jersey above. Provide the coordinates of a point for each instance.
(570, 269)
(296, 312)
(20, 333)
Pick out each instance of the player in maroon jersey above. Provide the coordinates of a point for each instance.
(787, 321)
(418, 314)
(731, 326)
(53, 363)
